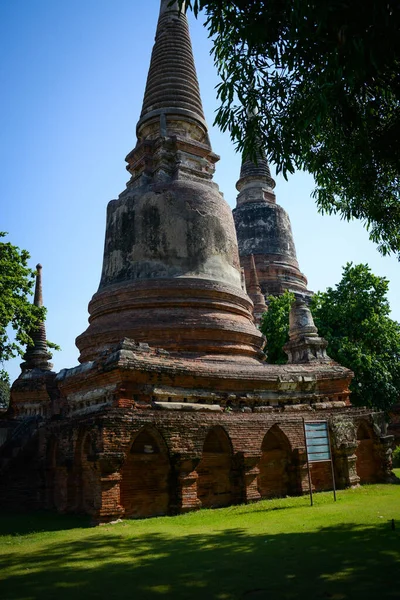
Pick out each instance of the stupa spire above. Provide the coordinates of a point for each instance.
(170, 6)
(37, 355)
(38, 297)
(172, 87)
(173, 141)
(255, 183)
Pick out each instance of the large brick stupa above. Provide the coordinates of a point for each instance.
(171, 274)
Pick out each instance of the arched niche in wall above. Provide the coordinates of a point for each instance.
(366, 463)
(84, 486)
(274, 479)
(215, 481)
(145, 482)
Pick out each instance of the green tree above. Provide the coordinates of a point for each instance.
(275, 327)
(321, 81)
(18, 316)
(354, 318)
(4, 393)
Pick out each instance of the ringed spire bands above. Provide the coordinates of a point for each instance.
(257, 178)
(172, 88)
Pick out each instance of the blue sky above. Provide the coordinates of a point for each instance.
(73, 76)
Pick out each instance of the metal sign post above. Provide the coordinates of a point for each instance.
(308, 464)
(333, 471)
(318, 448)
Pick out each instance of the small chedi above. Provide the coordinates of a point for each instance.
(173, 406)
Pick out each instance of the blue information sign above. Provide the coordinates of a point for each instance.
(317, 441)
(318, 449)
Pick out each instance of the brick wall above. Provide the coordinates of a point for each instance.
(142, 463)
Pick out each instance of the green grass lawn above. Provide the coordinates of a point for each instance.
(277, 549)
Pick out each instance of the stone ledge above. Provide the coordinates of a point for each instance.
(187, 406)
(328, 405)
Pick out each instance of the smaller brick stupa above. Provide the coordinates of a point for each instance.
(264, 232)
(37, 356)
(34, 392)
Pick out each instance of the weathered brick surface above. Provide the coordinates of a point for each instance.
(217, 481)
(367, 453)
(277, 476)
(145, 477)
(321, 476)
(141, 463)
(273, 480)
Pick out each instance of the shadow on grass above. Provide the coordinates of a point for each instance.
(34, 522)
(337, 563)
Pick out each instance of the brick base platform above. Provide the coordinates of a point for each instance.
(138, 463)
